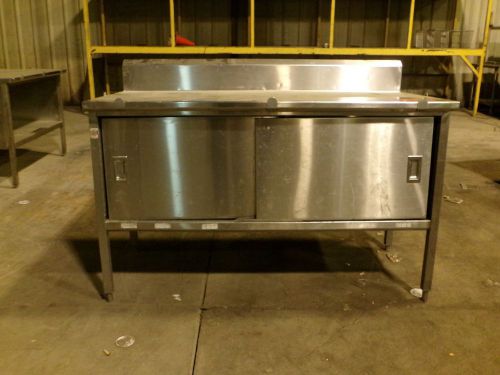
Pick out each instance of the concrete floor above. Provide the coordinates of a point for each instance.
(251, 303)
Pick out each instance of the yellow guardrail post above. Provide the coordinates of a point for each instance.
(331, 39)
(410, 24)
(172, 23)
(104, 42)
(88, 47)
(482, 58)
(251, 24)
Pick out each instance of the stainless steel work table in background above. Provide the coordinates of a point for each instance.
(246, 145)
(31, 106)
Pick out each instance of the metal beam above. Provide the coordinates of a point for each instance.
(104, 43)
(471, 67)
(251, 24)
(172, 23)
(88, 48)
(482, 58)
(331, 39)
(285, 50)
(237, 225)
(39, 132)
(410, 24)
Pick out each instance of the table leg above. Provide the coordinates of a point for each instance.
(435, 197)
(388, 235)
(494, 85)
(101, 210)
(106, 265)
(62, 130)
(8, 131)
(13, 164)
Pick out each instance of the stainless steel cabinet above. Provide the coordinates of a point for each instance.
(179, 167)
(343, 168)
(307, 169)
(252, 145)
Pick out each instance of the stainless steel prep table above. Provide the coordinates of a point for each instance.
(236, 145)
(31, 106)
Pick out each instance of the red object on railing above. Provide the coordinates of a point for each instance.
(181, 41)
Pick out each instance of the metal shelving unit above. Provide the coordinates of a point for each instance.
(251, 49)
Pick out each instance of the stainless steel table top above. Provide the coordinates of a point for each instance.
(264, 99)
(18, 75)
(263, 87)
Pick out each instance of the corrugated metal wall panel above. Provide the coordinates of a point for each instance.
(44, 34)
(494, 44)
(11, 45)
(398, 25)
(209, 22)
(286, 22)
(132, 22)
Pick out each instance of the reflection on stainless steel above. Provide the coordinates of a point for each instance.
(235, 74)
(251, 145)
(186, 168)
(304, 169)
(341, 169)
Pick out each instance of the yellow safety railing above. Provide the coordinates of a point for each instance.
(252, 49)
(410, 24)
(331, 39)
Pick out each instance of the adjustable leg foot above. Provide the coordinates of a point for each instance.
(133, 235)
(106, 266)
(387, 240)
(425, 296)
(134, 239)
(13, 166)
(63, 140)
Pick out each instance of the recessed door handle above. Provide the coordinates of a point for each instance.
(120, 168)
(414, 171)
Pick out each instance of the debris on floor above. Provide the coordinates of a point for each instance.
(346, 307)
(417, 292)
(125, 341)
(107, 353)
(468, 186)
(453, 199)
(361, 282)
(489, 283)
(394, 258)
(177, 297)
(451, 354)
(24, 202)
